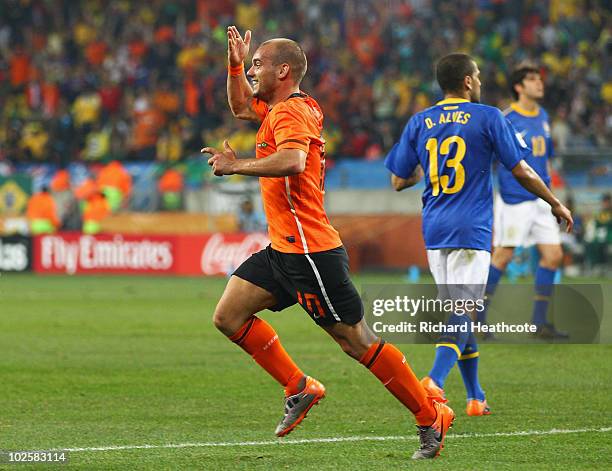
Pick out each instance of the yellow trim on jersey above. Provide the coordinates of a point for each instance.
(452, 101)
(469, 355)
(450, 345)
(524, 112)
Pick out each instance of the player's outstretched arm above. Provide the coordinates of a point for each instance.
(239, 91)
(399, 183)
(532, 182)
(284, 163)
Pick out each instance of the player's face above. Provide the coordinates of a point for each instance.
(475, 91)
(532, 86)
(263, 75)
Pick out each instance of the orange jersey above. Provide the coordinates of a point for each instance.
(42, 206)
(297, 222)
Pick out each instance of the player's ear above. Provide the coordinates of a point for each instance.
(468, 82)
(283, 71)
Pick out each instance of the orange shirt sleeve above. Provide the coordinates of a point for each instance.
(259, 107)
(291, 128)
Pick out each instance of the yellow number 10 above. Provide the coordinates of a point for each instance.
(538, 145)
(437, 180)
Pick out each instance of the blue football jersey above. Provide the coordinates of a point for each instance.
(455, 142)
(534, 128)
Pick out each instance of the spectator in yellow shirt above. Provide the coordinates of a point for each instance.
(86, 108)
(34, 140)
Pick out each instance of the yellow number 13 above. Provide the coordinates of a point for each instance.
(437, 180)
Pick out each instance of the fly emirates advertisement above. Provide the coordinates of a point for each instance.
(211, 254)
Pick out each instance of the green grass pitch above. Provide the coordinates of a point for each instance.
(88, 362)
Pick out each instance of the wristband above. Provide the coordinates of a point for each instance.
(235, 71)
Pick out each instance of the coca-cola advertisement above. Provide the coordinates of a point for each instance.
(210, 254)
(216, 254)
(224, 253)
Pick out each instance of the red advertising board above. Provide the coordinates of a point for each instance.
(216, 254)
(211, 254)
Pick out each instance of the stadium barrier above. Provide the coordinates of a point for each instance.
(207, 254)
(388, 242)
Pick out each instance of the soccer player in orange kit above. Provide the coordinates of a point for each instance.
(306, 262)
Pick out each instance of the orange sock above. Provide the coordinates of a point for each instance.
(258, 339)
(389, 365)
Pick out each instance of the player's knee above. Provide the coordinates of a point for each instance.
(344, 344)
(552, 258)
(223, 321)
(353, 348)
(347, 348)
(218, 319)
(501, 258)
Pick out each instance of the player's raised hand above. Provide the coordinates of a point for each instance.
(237, 48)
(222, 163)
(563, 214)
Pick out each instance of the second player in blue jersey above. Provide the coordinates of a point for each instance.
(533, 127)
(521, 219)
(455, 142)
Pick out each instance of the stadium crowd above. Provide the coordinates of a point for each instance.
(95, 80)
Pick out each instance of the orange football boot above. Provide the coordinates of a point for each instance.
(298, 405)
(432, 437)
(476, 408)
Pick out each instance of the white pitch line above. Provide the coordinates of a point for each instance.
(526, 433)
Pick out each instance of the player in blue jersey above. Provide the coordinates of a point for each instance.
(453, 144)
(521, 219)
